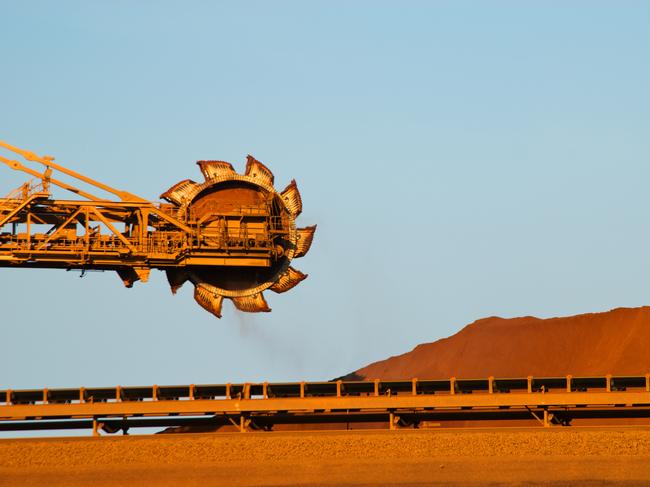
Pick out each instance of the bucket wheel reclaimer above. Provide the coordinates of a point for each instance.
(233, 235)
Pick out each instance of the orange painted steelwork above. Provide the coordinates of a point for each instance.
(261, 405)
(232, 236)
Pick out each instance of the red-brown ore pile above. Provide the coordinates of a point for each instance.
(614, 342)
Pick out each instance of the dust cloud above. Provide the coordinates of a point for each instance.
(284, 351)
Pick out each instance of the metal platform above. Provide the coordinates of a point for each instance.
(261, 406)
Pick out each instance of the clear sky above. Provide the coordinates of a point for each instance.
(461, 160)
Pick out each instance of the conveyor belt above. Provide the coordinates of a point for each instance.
(551, 400)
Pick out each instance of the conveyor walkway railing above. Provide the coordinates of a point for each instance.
(550, 400)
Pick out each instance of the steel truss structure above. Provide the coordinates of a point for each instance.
(261, 406)
(233, 235)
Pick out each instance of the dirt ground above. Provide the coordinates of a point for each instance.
(557, 456)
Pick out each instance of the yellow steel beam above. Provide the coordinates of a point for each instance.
(59, 230)
(113, 229)
(4, 219)
(307, 404)
(49, 162)
(132, 205)
(17, 166)
(173, 221)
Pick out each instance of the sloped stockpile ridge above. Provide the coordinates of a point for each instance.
(614, 342)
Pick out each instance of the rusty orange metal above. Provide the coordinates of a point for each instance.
(231, 235)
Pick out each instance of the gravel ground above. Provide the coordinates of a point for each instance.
(606, 456)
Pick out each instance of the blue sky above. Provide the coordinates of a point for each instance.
(461, 160)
